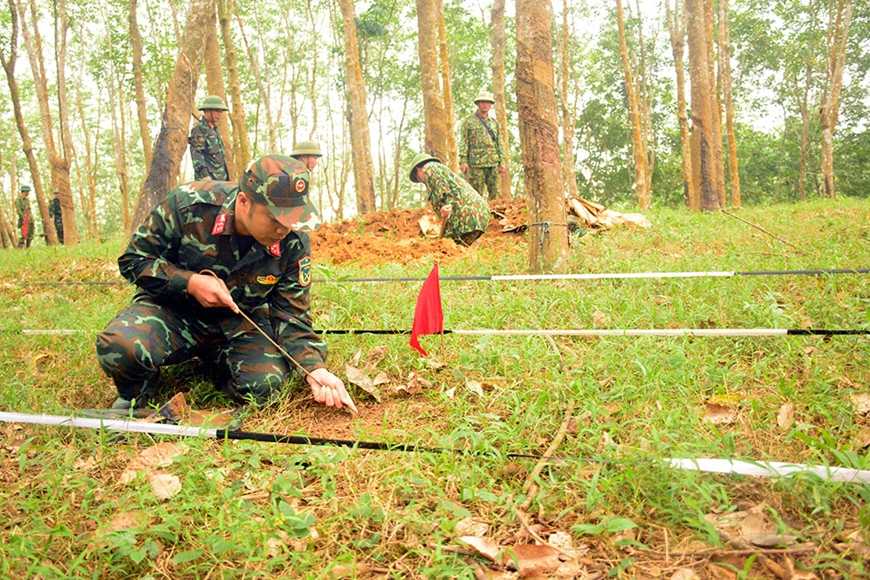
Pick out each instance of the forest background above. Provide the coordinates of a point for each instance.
(82, 99)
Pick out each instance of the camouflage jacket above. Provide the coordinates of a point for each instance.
(191, 230)
(22, 207)
(476, 147)
(470, 211)
(207, 152)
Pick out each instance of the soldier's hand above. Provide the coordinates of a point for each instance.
(463, 167)
(329, 390)
(446, 210)
(211, 292)
(502, 168)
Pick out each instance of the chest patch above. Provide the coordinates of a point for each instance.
(220, 225)
(305, 271)
(267, 280)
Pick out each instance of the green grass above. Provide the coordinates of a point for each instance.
(259, 510)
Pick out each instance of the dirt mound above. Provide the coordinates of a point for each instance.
(396, 236)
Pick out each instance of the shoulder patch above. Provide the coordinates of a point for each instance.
(305, 271)
(220, 224)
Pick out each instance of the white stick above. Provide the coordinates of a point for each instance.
(614, 276)
(108, 424)
(635, 332)
(770, 469)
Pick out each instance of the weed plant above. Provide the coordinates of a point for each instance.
(250, 509)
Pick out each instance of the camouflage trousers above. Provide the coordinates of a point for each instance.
(484, 177)
(146, 335)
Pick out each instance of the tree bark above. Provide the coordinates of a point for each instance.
(641, 185)
(117, 103)
(498, 92)
(452, 156)
(725, 75)
(436, 127)
(567, 113)
(214, 80)
(539, 130)
(59, 165)
(715, 106)
(703, 172)
(171, 143)
(839, 18)
(239, 143)
(677, 29)
(253, 62)
(359, 120)
(139, 84)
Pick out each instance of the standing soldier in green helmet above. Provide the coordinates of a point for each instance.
(25, 217)
(465, 214)
(480, 154)
(206, 146)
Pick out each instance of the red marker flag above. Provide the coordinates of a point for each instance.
(428, 317)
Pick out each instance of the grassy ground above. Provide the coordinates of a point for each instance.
(266, 510)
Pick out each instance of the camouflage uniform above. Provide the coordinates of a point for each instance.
(470, 214)
(481, 153)
(54, 212)
(22, 206)
(192, 230)
(207, 152)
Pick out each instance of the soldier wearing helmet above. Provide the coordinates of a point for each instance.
(25, 217)
(480, 154)
(465, 214)
(252, 236)
(308, 152)
(206, 146)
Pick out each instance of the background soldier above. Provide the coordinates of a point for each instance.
(480, 153)
(464, 212)
(54, 212)
(25, 217)
(308, 152)
(206, 146)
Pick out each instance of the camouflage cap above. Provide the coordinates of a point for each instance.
(420, 159)
(25, 188)
(281, 184)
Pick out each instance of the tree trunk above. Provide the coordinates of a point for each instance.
(715, 107)
(214, 80)
(359, 120)
(436, 128)
(117, 103)
(312, 82)
(498, 92)
(725, 75)
(539, 130)
(452, 157)
(641, 185)
(271, 126)
(677, 29)
(240, 145)
(839, 18)
(171, 143)
(703, 172)
(138, 83)
(565, 70)
(67, 206)
(59, 165)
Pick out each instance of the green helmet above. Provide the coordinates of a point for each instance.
(306, 148)
(418, 160)
(281, 184)
(25, 188)
(212, 102)
(484, 96)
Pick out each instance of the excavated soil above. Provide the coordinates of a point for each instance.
(396, 236)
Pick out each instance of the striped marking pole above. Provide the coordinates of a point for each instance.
(709, 465)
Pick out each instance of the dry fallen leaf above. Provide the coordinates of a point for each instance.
(532, 559)
(599, 319)
(164, 485)
(483, 546)
(685, 574)
(125, 520)
(785, 418)
(861, 402)
(158, 455)
(362, 380)
(451, 392)
(471, 527)
(474, 387)
(381, 378)
(375, 356)
(719, 414)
